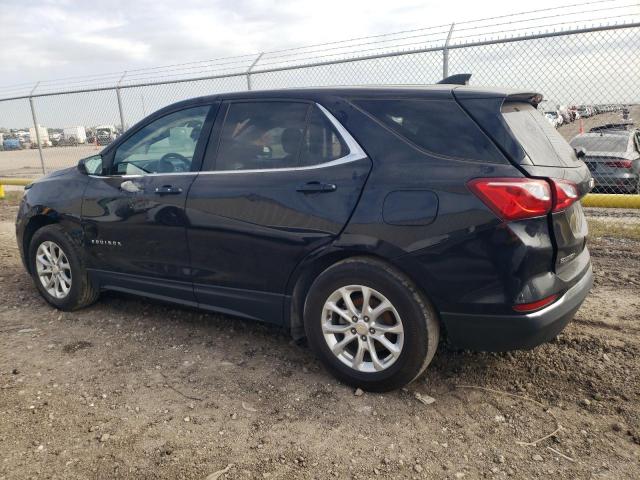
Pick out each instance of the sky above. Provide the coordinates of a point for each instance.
(66, 45)
(51, 39)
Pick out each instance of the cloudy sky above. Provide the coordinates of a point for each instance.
(49, 39)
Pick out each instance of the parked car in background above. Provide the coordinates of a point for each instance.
(613, 157)
(554, 118)
(566, 115)
(12, 144)
(105, 134)
(369, 220)
(584, 112)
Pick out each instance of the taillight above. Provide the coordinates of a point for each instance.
(514, 198)
(537, 305)
(620, 164)
(565, 193)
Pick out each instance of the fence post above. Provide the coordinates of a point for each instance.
(35, 126)
(120, 101)
(445, 54)
(248, 73)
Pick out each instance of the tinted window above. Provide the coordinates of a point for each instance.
(439, 126)
(259, 135)
(602, 143)
(166, 145)
(543, 144)
(321, 142)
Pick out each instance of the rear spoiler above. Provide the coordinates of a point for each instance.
(525, 97)
(533, 98)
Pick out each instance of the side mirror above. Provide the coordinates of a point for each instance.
(91, 165)
(580, 152)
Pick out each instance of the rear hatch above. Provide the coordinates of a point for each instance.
(549, 155)
(539, 151)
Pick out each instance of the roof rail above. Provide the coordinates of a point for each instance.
(457, 79)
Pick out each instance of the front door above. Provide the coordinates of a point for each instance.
(281, 182)
(133, 215)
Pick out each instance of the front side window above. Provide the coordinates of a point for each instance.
(166, 145)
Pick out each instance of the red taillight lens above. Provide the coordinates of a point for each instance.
(620, 164)
(537, 305)
(513, 198)
(565, 193)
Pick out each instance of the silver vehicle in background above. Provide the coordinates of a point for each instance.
(612, 153)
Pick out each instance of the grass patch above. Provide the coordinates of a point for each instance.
(600, 228)
(11, 197)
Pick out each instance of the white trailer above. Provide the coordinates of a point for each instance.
(44, 136)
(75, 134)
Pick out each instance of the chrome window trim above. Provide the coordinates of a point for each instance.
(355, 153)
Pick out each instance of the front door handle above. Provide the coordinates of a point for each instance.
(168, 190)
(316, 187)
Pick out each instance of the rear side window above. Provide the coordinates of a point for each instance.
(260, 135)
(543, 144)
(267, 134)
(438, 126)
(321, 142)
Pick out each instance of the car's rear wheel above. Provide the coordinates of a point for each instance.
(370, 325)
(58, 270)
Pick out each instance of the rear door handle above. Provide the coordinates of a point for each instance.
(168, 190)
(316, 187)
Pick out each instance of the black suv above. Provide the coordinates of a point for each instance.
(370, 220)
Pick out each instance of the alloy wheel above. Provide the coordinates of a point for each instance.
(54, 269)
(362, 328)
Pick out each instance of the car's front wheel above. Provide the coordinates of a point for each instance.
(370, 325)
(58, 270)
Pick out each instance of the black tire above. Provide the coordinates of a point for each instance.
(82, 292)
(419, 321)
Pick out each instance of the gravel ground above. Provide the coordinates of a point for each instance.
(136, 389)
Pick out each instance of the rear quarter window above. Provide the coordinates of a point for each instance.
(437, 126)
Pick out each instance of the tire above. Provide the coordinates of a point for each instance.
(81, 292)
(411, 319)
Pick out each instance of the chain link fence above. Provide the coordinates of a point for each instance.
(589, 76)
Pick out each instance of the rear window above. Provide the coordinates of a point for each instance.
(602, 143)
(543, 144)
(438, 126)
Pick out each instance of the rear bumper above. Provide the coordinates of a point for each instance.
(514, 332)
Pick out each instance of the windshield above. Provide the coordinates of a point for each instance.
(602, 143)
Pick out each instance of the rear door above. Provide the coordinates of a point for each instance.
(551, 156)
(280, 182)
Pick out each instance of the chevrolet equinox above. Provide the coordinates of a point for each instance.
(371, 221)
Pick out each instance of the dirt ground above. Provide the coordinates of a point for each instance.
(134, 389)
